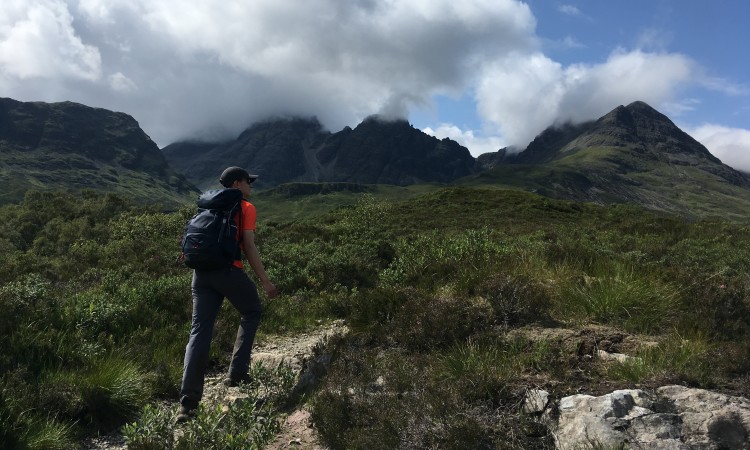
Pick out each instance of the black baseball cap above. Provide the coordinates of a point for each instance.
(234, 173)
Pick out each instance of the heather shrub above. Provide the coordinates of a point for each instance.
(429, 322)
(392, 398)
(516, 299)
(719, 307)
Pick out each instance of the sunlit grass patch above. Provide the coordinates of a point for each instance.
(49, 434)
(677, 358)
(483, 367)
(618, 294)
(113, 390)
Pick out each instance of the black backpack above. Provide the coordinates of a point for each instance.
(211, 239)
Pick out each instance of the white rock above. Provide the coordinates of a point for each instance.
(675, 417)
(536, 401)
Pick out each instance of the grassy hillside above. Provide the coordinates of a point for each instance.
(606, 175)
(295, 201)
(459, 300)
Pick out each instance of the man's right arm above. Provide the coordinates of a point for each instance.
(253, 258)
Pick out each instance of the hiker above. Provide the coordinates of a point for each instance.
(209, 288)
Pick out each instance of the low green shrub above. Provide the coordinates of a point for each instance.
(153, 430)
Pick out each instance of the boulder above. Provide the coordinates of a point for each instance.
(672, 417)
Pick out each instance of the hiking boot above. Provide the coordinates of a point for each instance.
(185, 414)
(234, 380)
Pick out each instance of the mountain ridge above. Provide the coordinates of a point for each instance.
(631, 154)
(70, 146)
(376, 151)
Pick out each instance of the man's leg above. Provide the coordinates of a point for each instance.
(206, 304)
(243, 295)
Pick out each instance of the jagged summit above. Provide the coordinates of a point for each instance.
(650, 130)
(376, 151)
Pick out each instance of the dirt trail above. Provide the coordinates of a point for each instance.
(297, 352)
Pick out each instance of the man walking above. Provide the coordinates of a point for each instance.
(209, 288)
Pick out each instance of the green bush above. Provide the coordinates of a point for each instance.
(153, 431)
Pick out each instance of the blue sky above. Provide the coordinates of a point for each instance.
(488, 73)
(713, 105)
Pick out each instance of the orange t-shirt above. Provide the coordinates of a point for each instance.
(248, 223)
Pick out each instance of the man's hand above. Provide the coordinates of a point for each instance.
(270, 289)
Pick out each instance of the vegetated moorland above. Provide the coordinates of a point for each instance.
(448, 295)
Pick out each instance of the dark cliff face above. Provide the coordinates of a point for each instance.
(546, 146)
(71, 146)
(650, 131)
(394, 152)
(274, 149)
(286, 150)
(67, 127)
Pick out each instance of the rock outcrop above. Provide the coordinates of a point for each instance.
(672, 417)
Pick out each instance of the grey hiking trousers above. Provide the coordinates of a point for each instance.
(210, 287)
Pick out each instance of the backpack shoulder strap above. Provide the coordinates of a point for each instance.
(241, 215)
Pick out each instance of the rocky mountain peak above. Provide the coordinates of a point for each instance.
(377, 151)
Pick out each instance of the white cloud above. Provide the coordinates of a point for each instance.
(523, 94)
(725, 86)
(730, 145)
(121, 83)
(476, 144)
(37, 40)
(216, 63)
(180, 67)
(570, 10)
(679, 107)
